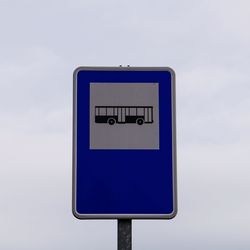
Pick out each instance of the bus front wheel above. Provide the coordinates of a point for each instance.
(139, 121)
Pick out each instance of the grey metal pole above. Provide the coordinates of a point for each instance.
(124, 234)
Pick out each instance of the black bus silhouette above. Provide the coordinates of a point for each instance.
(124, 114)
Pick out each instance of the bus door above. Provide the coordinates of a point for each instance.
(121, 115)
(148, 114)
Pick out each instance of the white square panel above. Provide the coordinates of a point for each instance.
(124, 116)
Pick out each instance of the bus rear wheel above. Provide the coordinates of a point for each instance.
(111, 121)
(139, 121)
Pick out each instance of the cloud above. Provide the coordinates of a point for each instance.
(206, 42)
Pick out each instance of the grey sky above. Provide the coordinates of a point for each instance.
(206, 42)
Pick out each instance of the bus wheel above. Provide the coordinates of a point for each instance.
(139, 121)
(111, 121)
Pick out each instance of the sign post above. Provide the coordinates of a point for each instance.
(124, 145)
(124, 237)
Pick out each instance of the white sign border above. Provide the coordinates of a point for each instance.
(174, 147)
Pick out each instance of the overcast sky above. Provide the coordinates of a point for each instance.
(207, 43)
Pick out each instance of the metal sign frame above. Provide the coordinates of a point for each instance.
(174, 157)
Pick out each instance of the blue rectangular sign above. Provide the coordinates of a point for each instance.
(124, 143)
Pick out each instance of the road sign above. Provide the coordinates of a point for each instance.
(124, 143)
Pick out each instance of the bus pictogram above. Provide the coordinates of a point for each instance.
(124, 114)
